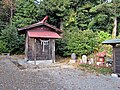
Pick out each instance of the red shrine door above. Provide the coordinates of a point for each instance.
(43, 49)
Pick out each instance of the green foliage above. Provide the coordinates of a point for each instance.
(54, 8)
(79, 42)
(3, 47)
(10, 40)
(102, 36)
(57, 10)
(75, 17)
(27, 12)
(60, 47)
(95, 15)
(103, 16)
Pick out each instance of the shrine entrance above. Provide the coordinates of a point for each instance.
(43, 50)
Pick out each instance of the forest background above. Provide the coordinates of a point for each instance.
(86, 23)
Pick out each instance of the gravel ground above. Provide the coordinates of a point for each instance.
(52, 77)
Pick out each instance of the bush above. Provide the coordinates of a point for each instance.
(79, 42)
(10, 40)
(102, 36)
(3, 47)
(60, 47)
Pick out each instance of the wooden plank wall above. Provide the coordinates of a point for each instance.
(30, 48)
(36, 48)
(117, 59)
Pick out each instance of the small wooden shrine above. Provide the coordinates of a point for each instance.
(40, 41)
(116, 54)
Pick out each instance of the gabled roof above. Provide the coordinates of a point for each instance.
(41, 23)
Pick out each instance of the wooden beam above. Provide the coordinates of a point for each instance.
(53, 50)
(34, 49)
(114, 61)
(26, 47)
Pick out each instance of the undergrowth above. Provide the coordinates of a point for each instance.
(96, 69)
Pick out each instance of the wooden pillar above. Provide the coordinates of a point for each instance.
(26, 47)
(114, 62)
(53, 50)
(34, 50)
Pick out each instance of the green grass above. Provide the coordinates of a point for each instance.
(96, 69)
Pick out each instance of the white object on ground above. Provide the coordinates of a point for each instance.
(91, 61)
(114, 75)
(84, 59)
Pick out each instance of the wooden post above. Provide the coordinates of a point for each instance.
(26, 47)
(114, 64)
(53, 50)
(33, 42)
(50, 46)
(34, 51)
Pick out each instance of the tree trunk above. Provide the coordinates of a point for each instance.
(11, 11)
(114, 29)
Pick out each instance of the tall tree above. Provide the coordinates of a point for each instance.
(56, 10)
(116, 13)
(10, 5)
(103, 16)
(4, 18)
(100, 17)
(27, 12)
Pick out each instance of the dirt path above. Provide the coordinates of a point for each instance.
(52, 77)
(12, 78)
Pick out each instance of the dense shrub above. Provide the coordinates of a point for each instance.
(61, 47)
(103, 36)
(79, 42)
(10, 41)
(3, 47)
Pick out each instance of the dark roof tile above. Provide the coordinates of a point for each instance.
(112, 41)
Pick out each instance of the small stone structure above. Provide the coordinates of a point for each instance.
(73, 58)
(84, 59)
(91, 61)
(6, 54)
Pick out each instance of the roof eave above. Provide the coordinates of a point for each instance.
(112, 41)
(39, 24)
